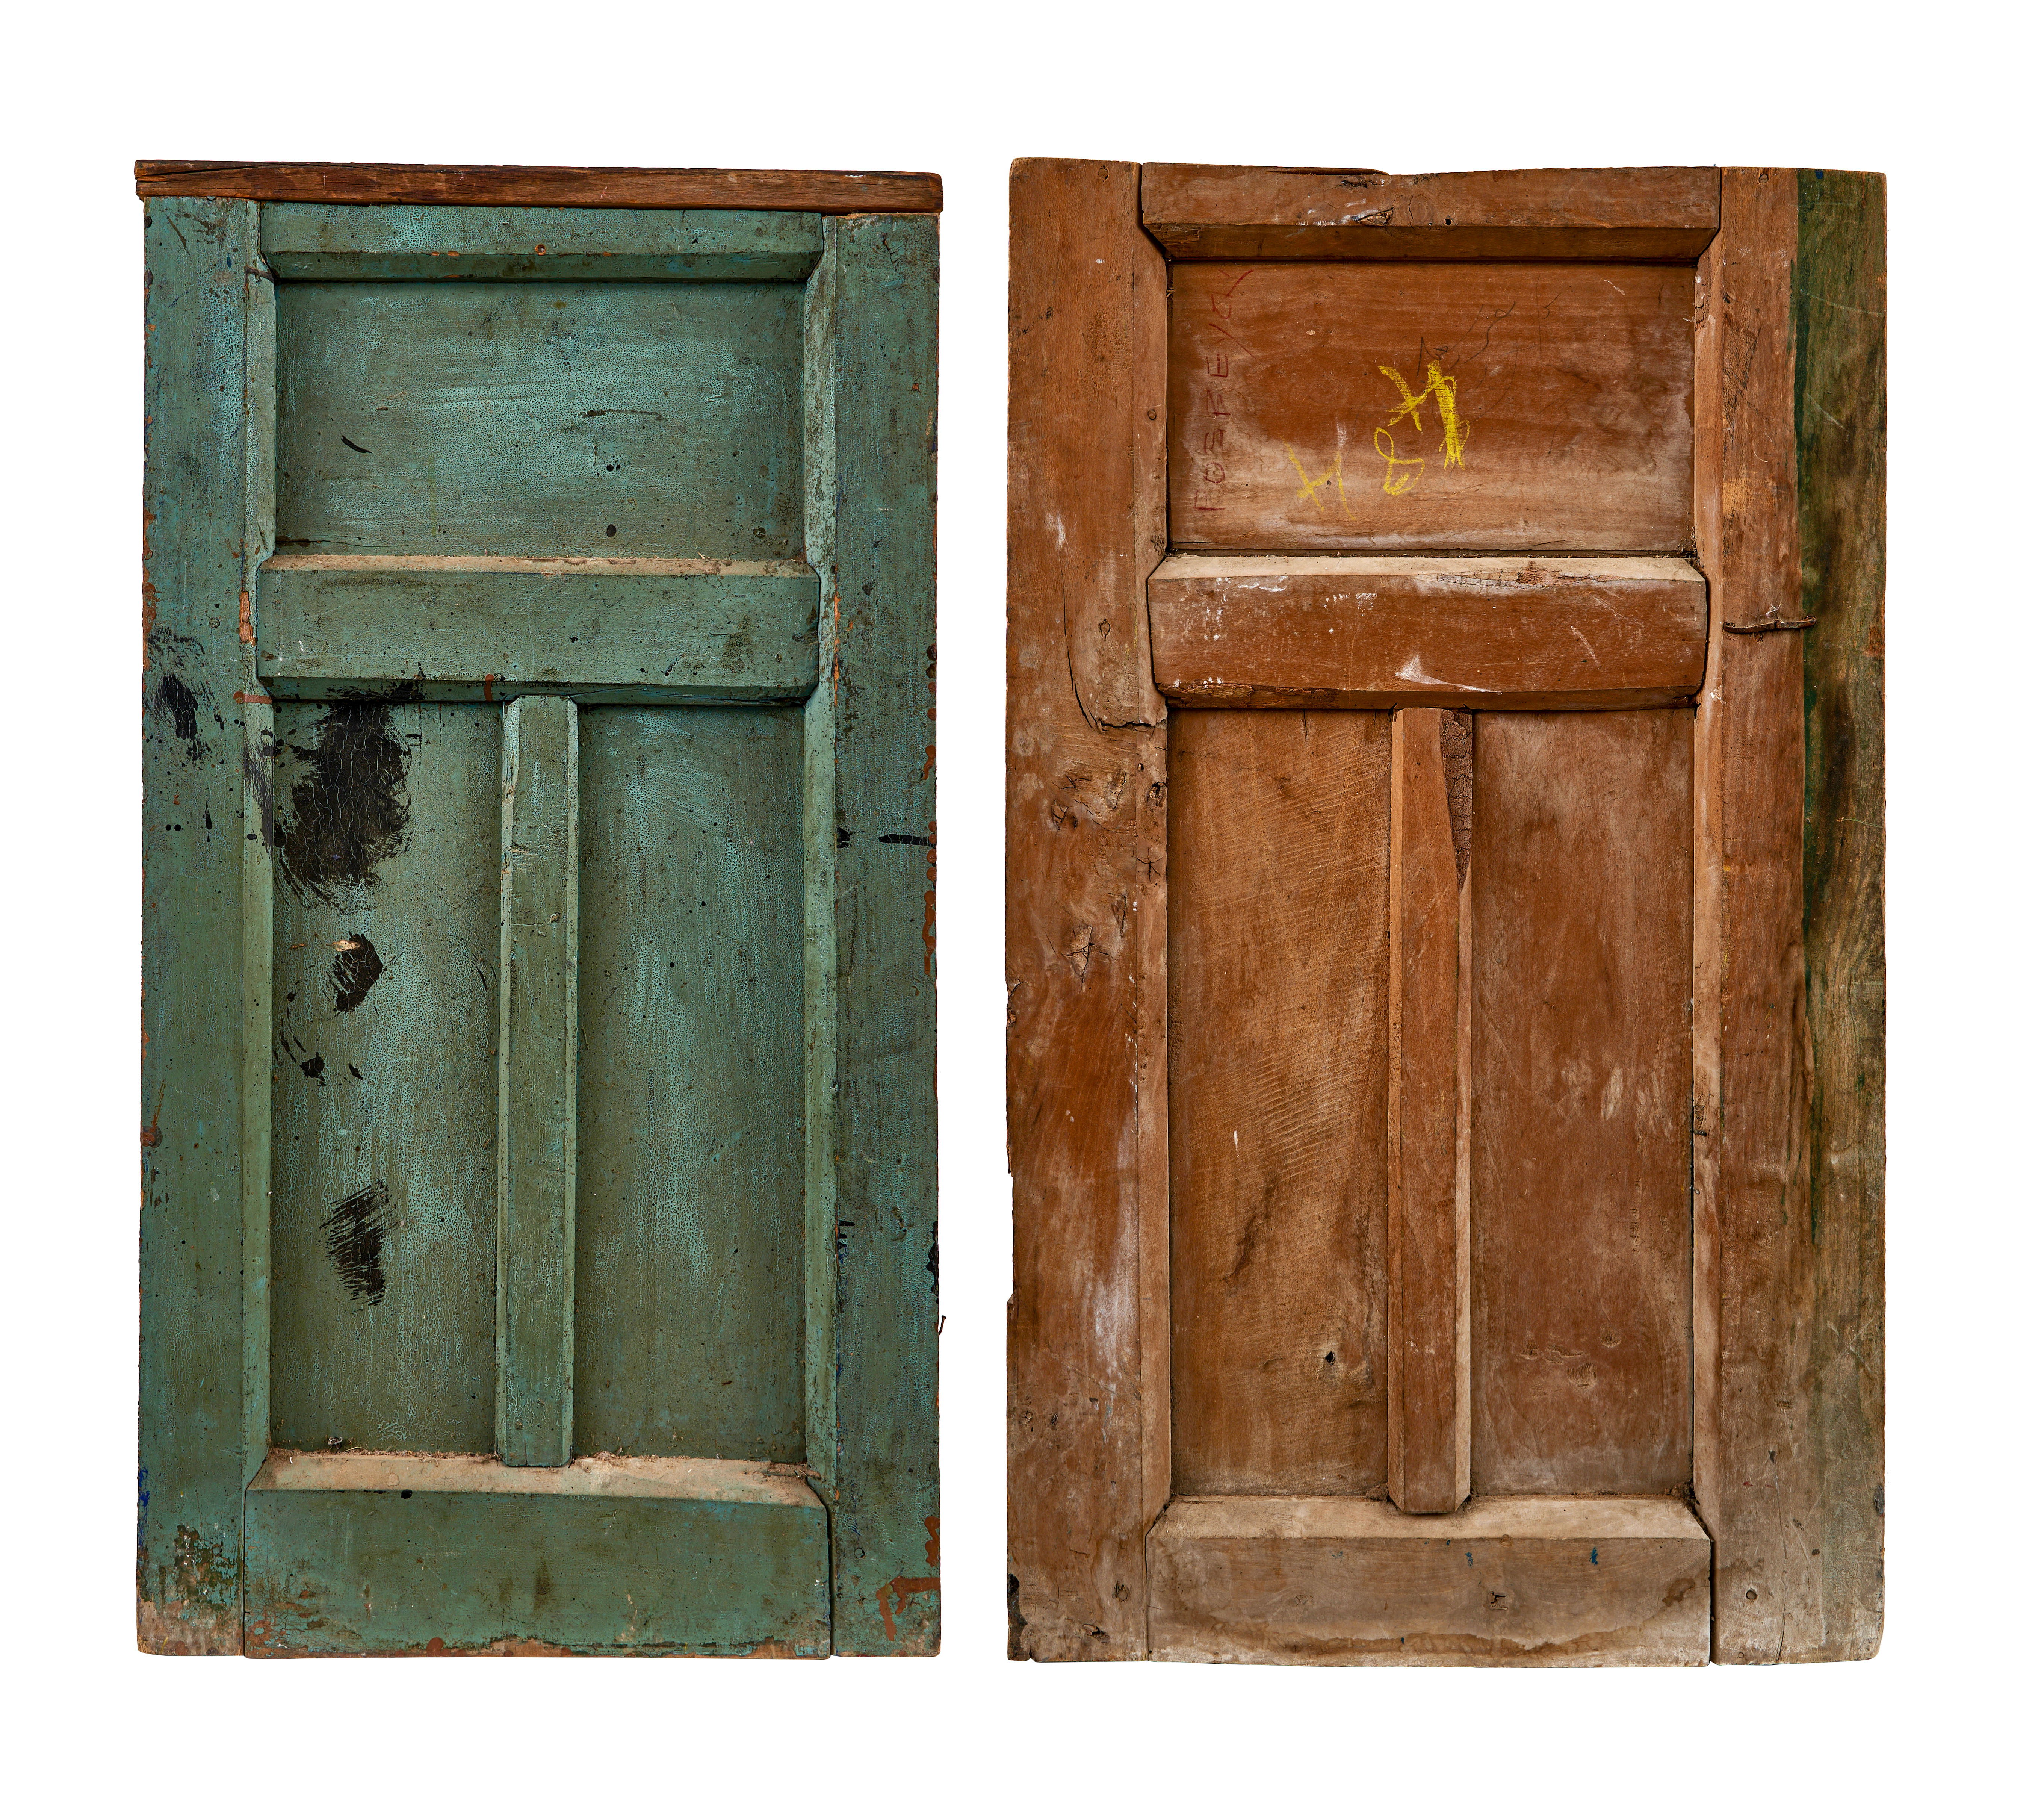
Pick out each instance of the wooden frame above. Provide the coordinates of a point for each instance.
(227, 1524)
(1784, 1523)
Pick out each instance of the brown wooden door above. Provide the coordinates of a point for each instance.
(1402, 1272)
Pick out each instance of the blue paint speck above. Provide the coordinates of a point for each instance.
(1593, 1561)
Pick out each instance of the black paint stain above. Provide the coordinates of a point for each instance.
(313, 1067)
(355, 1241)
(355, 1071)
(904, 840)
(350, 809)
(357, 966)
(356, 446)
(932, 1267)
(177, 701)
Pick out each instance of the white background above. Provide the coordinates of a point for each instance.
(1929, 96)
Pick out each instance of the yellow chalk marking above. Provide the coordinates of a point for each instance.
(1396, 481)
(1441, 389)
(1309, 488)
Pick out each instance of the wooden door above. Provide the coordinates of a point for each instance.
(1444, 1071)
(538, 1233)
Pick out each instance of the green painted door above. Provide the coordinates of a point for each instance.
(539, 1167)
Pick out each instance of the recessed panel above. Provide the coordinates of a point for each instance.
(1279, 847)
(689, 1201)
(1580, 1123)
(535, 419)
(383, 1076)
(1410, 406)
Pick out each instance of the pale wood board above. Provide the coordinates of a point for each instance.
(1279, 854)
(1426, 1220)
(1476, 406)
(1505, 1581)
(1580, 1192)
(1206, 211)
(1388, 631)
(1087, 1388)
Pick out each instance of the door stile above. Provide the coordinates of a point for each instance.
(258, 749)
(1426, 1348)
(536, 1064)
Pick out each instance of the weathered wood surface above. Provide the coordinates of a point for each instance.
(1423, 406)
(303, 241)
(1207, 211)
(538, 960)
(1505, 1581)
(1088, 1382)
(383, 1075)
(870, 793)
(1426, 1133)
(442, 628)
(1790, 1372)
(530, 186)
(202, 518)
(1278, 860)
(1389, 631)
(540, 419)
(407, 1554)
(1581, 1300)
(688, 1214)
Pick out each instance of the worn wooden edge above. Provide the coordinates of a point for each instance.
(1324, 631)
(587, 1476)
(1502, 1581)
(1199, 211)
(1789, 1219)
(1088, 1383)
(526, 186)
(876, 705)
(204, 349)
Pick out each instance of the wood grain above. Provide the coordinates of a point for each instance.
(402, 1555)
(304, 242)
(537, 1060)
(1425, 406)
(1088, 1447)
(383, 1076)
(1426, 1142)
(871, 354)
(688, 1214)
(1388, 631)
(1279, 855)
(540, 419)
(1788, 1443)
(1506, 1582)
(203, 342)
(484, 628)
(1580, 1128)
(528, 185)
(1207, 211)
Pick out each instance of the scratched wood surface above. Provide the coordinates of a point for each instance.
(688, 1278)
(1210, 212)
(1504, 1583)
(199, 511)
(1426, 1131)
(384, 1076)
(1789, 1205)
(1088, 1458)
(404, 1555)
(1469, 406)
(477, 628)
(1279, 855)
(540, 419)
(538, 186)
(303, 241)
(1388, 631)
(870, 831)
(1579, 1163)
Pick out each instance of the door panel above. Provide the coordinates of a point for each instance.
(689, 1217)
(383, 1076)
(1277, 858)
(1475, 406)
(1580, 1134)
(540, 419)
